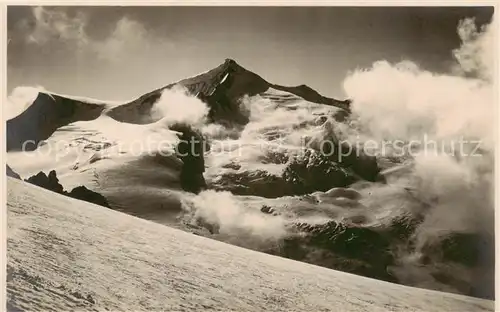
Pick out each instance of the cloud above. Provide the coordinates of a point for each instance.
(398, 101)
(228, 213)
(19, 99)
(128, 38)
(176, 105)
(72, 50)
(476, 54)
(55, 25)
(403, 101)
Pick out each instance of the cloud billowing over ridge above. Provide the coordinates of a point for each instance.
(404, 101)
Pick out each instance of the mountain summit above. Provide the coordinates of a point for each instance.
(221, 88)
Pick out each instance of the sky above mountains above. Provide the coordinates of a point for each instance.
(119, 53)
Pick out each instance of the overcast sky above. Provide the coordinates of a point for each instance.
(119, 53)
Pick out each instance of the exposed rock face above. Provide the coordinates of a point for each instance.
(472, 250)
(371, 251)
(315, 172)
(354, 249)
(346, 154)
(191, 151)
(402, 227)
(303, 174)
(257, 183)
(42, 118)
(465, 248)
(83, 193)
(51, 183)
(267, 209)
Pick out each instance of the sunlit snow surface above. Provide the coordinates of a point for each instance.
(66, 254)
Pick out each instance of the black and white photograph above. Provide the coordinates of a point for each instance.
(244, 157)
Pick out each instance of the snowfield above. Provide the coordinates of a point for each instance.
(65, 254)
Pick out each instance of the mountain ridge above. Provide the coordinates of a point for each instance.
(221, 88)
(230, 65)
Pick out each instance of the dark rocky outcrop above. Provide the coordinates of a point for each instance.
(315, 172)
(83, 193)
(474, 251)
(51, 183)
(303, 174)
(267, 209)
(191, 151)
(348, 155)
(256, 182)
(402, 227)
(469, 249)
(372, 251)
(349, 248)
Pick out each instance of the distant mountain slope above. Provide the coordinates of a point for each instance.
(45, 115)
(12, 173)
(66, 254)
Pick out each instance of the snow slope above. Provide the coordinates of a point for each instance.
(66, 254)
